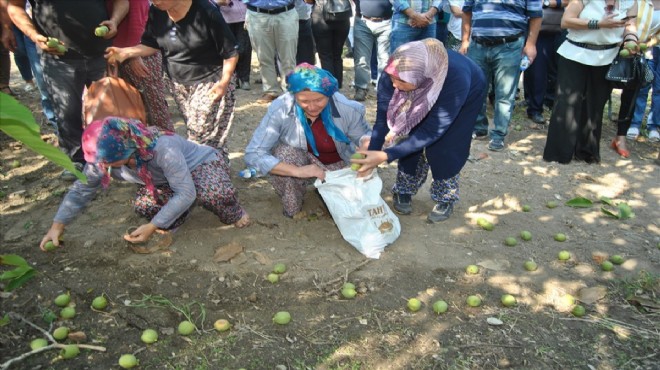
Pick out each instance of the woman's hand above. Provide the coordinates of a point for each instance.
(218, 91)
(311, 170)
(54, 233)
(112, 29)
(608, 21)
(115, 55)
(137, 66)
(372, 160)
(141, 234)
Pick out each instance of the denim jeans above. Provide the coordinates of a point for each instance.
(29, 50)
(367, 34)
(66, 80)
(402, 33)
(500, 64)
(640, 103)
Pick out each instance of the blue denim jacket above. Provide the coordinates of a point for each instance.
(281, 126)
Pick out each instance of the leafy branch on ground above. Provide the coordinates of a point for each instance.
(54, 344)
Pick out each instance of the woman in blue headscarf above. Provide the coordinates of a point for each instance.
(307, 131)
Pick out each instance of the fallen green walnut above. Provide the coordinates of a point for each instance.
(69, 351)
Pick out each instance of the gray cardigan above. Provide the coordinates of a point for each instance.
(174, 159)
(280, 125)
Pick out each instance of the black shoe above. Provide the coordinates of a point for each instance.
(440, 212)
(536, 118)
(479, 135)
(360, 94)
(402, 203)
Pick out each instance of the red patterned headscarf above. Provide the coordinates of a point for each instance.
(115, 139)
(424, 64)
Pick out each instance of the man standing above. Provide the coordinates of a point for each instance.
(67, 73)
(372, 26)
(413, 20)
(496, 35)
(273, 29)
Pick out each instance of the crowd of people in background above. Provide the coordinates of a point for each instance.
(436, 66)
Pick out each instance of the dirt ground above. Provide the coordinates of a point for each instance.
(374, 330)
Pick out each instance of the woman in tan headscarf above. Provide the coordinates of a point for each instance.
(428, 101)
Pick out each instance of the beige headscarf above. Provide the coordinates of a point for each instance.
(424, 64)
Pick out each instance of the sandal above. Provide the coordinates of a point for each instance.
(620, 151)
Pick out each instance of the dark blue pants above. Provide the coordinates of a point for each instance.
(540, 78)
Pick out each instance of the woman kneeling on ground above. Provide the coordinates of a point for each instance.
(307, 131)
(428, 100)
(172, 172)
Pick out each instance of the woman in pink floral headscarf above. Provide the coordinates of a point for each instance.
(428, 100)
(171, 172)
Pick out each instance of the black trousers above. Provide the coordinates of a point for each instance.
(577, 117)
(244, 50)
(5, 66)
(330, 37)
(306, 51)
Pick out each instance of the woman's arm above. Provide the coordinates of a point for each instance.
(571, 18)
(220, 88)
(74, 202)
(116, 55)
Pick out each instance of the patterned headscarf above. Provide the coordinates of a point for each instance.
(306, 77)
(115, 139)
(424, 64)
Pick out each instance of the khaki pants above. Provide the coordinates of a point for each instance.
(274, 35)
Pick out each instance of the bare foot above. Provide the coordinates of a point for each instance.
(243, 222)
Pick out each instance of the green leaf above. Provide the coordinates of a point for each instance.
(625, 211)
(5, 320)
(579, 202)
(17, 121)
(20, 280)
(607, 201)
(15, 273)
(608, 212)
(12, 260)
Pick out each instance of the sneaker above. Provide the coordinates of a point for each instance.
(654, 136)
(632, 133)
(360, 94)
(536, 118)
(440, 212)
(245, 85)
(29, 86)
(477, 135)
(496, 145)
(402, 203)
(67, 175)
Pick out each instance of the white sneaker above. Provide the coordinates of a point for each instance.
(29, 86)
(632, 133)
(654, 136)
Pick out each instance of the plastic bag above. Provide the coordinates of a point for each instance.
(361, 214)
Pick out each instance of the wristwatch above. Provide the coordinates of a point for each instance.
(546, 3)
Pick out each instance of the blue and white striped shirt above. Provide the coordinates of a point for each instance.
(501, 18)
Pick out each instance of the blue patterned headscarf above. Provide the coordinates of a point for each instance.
(306, 77)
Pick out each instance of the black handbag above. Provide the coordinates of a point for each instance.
(335, 10)
(629, 72)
